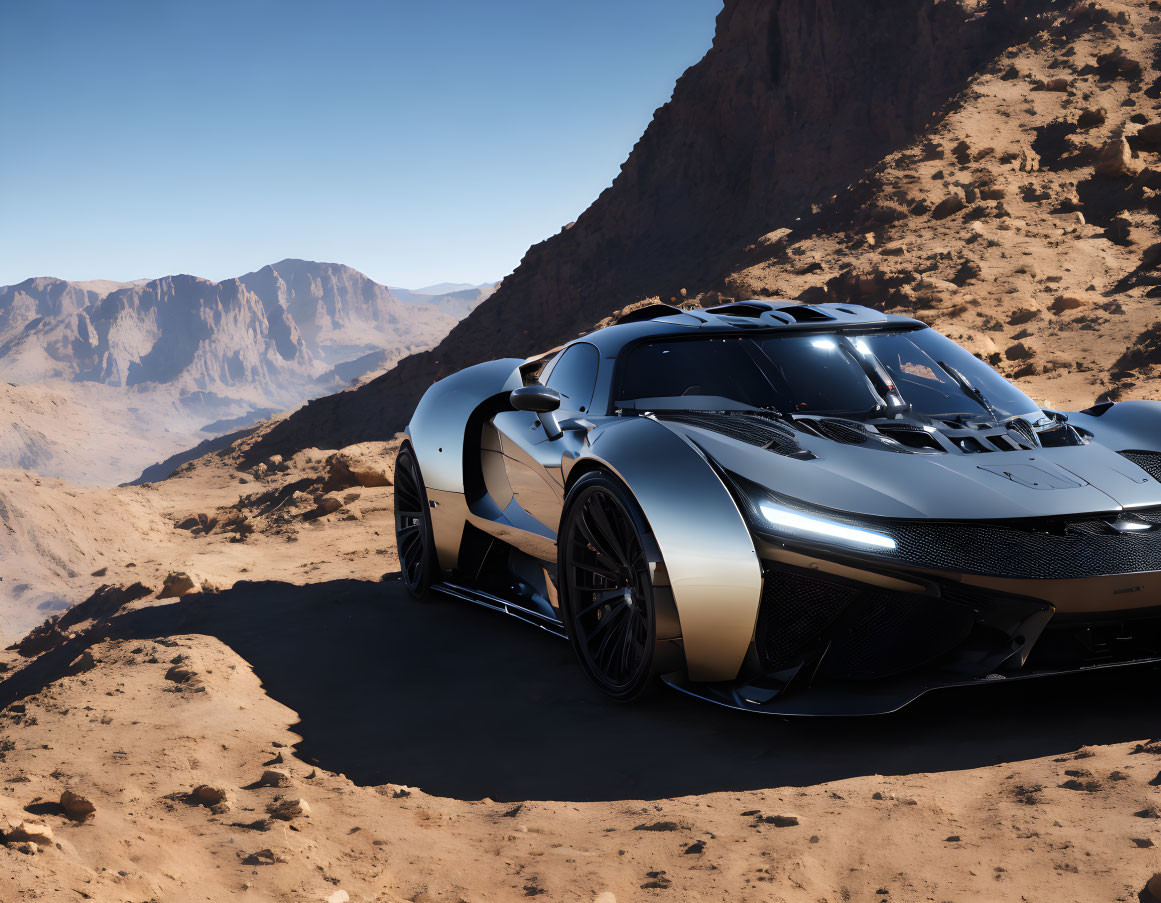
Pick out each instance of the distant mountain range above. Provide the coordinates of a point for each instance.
(212, 355)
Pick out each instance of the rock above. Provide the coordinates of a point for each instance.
(778, 821)
(263, 857)
(1057, 84)
(82, 663)
(273, 778)
(189, 523)
(29, 832)
(28, 848)
(180, 674)
(1018, 352)
(177, 584)
(953, 203)
(365, 464)
(99, 572)
(339, 896)
(1153, 887)
(1115, 159)
(1151, 256)
(328, 504)
(209, 795)
(1023, 315)
(1091, 118)
(605, 896)
(1065, 303)
(1149, 136)
(1027, 160)
(288, 808)
(698, 846)
(1118, 64)
(77, 807)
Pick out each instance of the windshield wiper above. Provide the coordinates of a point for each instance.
(971, 390)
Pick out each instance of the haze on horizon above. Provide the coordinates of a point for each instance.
(419, 143)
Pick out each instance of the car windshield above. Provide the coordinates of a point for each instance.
(818, 373)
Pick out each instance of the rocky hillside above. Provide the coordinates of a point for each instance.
(173, 360)
(772, 140)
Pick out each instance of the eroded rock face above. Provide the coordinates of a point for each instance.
(791, 105)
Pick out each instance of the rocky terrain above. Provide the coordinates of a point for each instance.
(247, 705)
(168, 362)
(215, 686)
(989, 167)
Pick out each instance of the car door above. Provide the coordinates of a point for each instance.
(532, 461)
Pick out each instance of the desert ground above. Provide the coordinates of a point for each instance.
(293, 726)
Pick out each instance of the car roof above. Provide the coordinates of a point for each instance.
(740, 317)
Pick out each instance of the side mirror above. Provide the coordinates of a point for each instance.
(536, 398)
(539, 400)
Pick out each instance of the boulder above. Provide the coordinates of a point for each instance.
(273, 778)
(1149, 136)
(1114, 159)
(1065, 303)
(82, 663)
(953, 203)
(28, 832)
(365, 464)
(209, 795)
(177, 584)
(77, 807)
(288, 808)
(327, 504)
(1092, 118)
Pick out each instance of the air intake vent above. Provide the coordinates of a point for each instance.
(804, 313)
(752, 429)
(1150, 462)
(751, 309)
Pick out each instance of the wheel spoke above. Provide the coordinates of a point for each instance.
(612, 541)
(603, 597)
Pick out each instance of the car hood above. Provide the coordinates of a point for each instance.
(984, 486)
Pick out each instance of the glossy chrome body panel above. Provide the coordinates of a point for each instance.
(497, 483)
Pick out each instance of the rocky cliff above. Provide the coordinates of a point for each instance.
(796, 101)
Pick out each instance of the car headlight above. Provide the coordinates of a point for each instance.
(784, 520)
(769, 513)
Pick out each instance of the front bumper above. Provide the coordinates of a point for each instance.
(853, 635)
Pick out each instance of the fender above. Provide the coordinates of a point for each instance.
(707, 548)
(436, 432)
(1124, 425)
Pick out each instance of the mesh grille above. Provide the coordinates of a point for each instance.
(886, 633)
(842, 431)
(1048, 548)
(795, 610)
(1150, 462)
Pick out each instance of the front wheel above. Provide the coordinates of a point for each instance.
(414, 540)
(607, 597)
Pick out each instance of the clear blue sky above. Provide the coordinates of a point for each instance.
(416, 141)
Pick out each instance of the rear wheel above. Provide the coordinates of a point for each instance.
(607, 593)
(413, 537)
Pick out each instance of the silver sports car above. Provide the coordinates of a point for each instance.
(787, 508)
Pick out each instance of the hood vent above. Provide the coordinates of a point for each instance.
(753, 429)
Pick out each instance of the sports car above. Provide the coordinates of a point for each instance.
(787, 508)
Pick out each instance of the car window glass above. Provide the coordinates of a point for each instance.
(574, 376)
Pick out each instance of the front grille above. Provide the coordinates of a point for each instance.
(795, 610)
(885, 633)
(1150, 462)
(1048, 548)
(860, 632)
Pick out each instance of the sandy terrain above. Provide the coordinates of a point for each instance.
(447, 753)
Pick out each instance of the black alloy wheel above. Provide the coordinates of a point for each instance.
(413, 537)
(607, 599)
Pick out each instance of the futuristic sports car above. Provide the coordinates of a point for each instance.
(787, 508)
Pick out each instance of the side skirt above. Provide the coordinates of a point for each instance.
(504, 606)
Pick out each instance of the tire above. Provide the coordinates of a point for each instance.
(607, 597)
(414, 540)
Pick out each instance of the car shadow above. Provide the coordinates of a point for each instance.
(462, 702)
